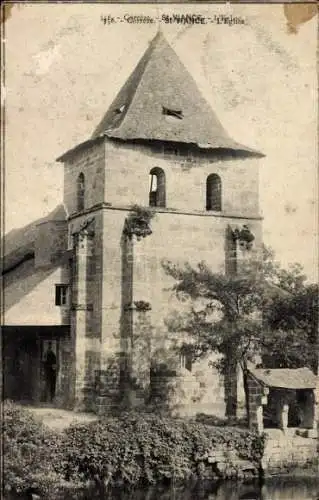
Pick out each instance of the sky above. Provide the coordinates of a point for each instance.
(64, 66)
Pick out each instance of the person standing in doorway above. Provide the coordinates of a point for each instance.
(50, 369)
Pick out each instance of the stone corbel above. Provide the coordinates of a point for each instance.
(86, 229)
(142, 306)
(139, 306)
(82, 307)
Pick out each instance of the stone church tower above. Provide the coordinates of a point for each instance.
(160, 149)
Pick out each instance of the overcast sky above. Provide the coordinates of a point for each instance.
(64, 67)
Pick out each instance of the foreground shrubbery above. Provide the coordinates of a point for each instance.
(221, 422)
(28, 448)
(134, 449)
(128, 450)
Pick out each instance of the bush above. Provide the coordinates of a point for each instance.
(145, 449)
(127, 450)
(28, 452)
(215, 421)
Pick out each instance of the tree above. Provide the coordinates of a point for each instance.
(240, 316)
(290, 319)
(289, 280)
(293, 325)
(223, 317)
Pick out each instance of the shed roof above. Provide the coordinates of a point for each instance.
(161, 101)
(286, 378)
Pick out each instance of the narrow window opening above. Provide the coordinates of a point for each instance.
(214, 193)
(176, 113)
(185, 360)
(157, 192)
(61, 295)
(80, 192)
(171, 150)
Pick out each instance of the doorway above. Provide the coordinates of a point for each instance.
(21, 369)
(47, 345)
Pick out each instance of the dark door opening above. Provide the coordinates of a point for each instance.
(49, 370)
(21, 369)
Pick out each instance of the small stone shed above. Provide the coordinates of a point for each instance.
(284, 399)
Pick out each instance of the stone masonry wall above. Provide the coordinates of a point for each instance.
(118, 175)
(85, 308)
(91, 162)
(64, 383)
(284, 452)
(127, 179)
(224, 461)
(255, 392)
(191, 238)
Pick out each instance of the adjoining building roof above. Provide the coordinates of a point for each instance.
(161, 101)
(19, 244)
(286, 378)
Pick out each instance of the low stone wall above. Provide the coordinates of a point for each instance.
(224, 462)
(284, 452)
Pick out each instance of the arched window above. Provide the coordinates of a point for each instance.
(157, 195)
(80, 192)
(214, 193)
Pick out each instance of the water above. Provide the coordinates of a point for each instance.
(271, 489)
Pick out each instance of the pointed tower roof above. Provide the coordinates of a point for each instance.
(161, 101)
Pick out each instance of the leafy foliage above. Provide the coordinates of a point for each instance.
(28, 452)
(288, 349)
(290, 280)
(129, 450)
(290, 335)
(220, 422)
(147, 449)
(255, 312)
(142, 305)
(263, 310)
(138, 222)
(224, 313)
